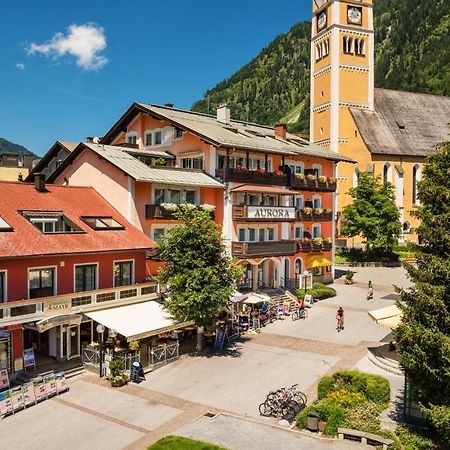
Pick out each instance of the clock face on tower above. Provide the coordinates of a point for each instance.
(354, 15)
(321, 20)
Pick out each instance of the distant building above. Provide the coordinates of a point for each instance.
(389, 133)
(15, 161)
(272, 192)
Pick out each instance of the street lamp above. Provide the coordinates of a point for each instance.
(100, 330)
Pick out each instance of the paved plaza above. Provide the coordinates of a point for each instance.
(231, 384)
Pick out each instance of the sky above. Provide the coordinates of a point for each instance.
(70, 69)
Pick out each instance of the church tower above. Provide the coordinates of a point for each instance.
(342, 77)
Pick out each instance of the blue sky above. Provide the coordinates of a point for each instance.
(69, 69)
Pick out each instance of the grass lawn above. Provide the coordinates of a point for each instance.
(181, 443)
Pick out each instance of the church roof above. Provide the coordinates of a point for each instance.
(404, 123)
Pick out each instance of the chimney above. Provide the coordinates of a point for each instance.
(90, 139)
(280, 130)
(169, 105)
(223, 114)
(39, 182)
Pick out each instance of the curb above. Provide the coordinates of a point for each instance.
(387, 367)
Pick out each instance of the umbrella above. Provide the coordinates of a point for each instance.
(389, 317)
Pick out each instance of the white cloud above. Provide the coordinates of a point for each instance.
(20, 66)
(84, 42)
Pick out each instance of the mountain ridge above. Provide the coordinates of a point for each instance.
(8, 147)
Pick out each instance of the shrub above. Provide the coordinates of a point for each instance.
(116, 367)
(364, 417)
(378, 389)
(326, 385)
(414, 439)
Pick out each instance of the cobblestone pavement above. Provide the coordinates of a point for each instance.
(174, 399)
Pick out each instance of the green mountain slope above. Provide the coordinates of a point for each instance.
(412, 53)
(14, 149)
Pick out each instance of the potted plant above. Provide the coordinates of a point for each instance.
(118, 376)
(241, 169)
(317, 241)
(331, 180)
(278, 173)
(169, 207)
(307, 211)
(311, 177)
(261, 171)
(207, 207)
(349, 277)
(159, 162)
(327, 243)
(322, 179)
(318, 211)
(134, 346)
(299, 176)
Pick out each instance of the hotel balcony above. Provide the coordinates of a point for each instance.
(158, 212)
(22, 311)
(252, 176)
(321, 184)
(317, 215)
(264, 213)
(263, 249)
(308, 246)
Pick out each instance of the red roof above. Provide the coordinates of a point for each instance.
(74, 202)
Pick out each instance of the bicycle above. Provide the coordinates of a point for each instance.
(299, 313)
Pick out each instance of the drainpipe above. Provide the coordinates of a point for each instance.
(333, 229)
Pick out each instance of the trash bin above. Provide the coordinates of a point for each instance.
(312, 423)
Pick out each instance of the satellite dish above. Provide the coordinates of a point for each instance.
(96, 140)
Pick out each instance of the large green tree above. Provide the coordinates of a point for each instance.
(424, 334)
(200, 276)
(372, 214)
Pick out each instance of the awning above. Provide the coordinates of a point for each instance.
(318, 261)
(389, 317)
(264, 189)
(237, 297)
(137, 321)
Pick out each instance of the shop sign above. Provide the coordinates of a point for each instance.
(5, 403)
(4, 379)
(58, 307)
(65, 319)
(28, 358)
(271, 212)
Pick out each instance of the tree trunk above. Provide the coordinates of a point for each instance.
(200, 331)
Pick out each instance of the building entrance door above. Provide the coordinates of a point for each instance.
(73, 341)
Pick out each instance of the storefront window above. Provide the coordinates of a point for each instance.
(123, 273)
(85, 278)
(42, 282)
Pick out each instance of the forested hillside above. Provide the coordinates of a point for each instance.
(14, 149)
(412, 53)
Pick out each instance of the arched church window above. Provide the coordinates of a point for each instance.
(387, 173)
(415, 181)
(359, 46)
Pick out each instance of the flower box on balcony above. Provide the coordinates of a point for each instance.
(304, 246)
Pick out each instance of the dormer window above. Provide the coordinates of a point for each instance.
(51, 222)
(4, 225)
(102, 223)
(153, 138)
(131, 138)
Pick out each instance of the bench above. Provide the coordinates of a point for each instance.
(364, 438)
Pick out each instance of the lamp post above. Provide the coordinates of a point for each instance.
(100, 330)
(306, 275)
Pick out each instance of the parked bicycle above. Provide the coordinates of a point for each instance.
(284, 402)
(300, 313)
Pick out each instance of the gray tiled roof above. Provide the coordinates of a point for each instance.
(241, 135)
(121, 158)
(404, 123)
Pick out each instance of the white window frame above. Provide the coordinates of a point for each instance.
(153, 132)
(55, 287)
(356, 177)
(417, 171)
(199, 156)
(297, 197)
(133, 272)
(388, 178)
(315, 226)
(86, 264)
(252, 158)
(175, 138)
(317, 197)
(132, 134)
(299, 226)
(257, 229)
(168, 195)
(360, 47)
(5, 286)
(295, 166)
(317, 167)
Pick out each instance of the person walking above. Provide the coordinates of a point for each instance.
(340, 319)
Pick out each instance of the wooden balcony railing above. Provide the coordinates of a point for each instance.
(158, 212)
(251, 176)
(262, 249)
(308, 246)
(324, 216)
(305, 184)
(22, 311)
(264, 213)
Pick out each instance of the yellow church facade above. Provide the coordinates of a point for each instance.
(388, 133)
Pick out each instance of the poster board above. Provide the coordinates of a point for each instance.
(5, 403)
(106, 370)
(28, 358)
(29, 397)
(221, 335)
(61, 383)
(17, 398)
(4, 379)
(39, 389)
(50, 384)
(309, 299)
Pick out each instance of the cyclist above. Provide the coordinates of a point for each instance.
(340, 319)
